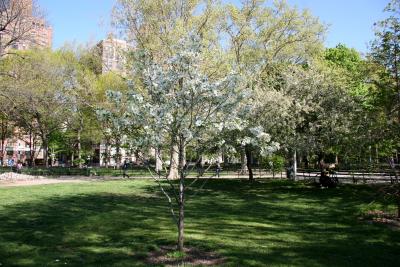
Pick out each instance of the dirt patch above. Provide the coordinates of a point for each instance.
(10, 179)
(381, 217)
(12, 176)
(168, 256)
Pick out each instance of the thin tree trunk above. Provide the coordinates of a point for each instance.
(184, 156)
(30, 162)
(321, 162)
(3, 152)
(3, 141)
(33, 152)
(174, 158)
(79, 148)
(294, 165)
(243, 168)
(398, 208)
(106, 154)
(249, 167)
(181, 223)
(306, 162)
(393, 167)
(118, 152)
(46, 153)
(158, 160)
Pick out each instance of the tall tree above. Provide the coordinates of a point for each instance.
(180, 103)
(156, 26)
(262, 37)
(386, 51)
(38, 93)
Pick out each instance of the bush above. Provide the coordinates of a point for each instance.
(274, 163)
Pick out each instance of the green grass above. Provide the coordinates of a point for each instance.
(118, 223)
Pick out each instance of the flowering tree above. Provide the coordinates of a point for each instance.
(177, 102)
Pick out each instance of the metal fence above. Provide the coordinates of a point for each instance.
(353, 176)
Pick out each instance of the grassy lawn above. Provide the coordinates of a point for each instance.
(118, 223)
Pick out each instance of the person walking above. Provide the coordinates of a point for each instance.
(218, 170)
(19, 167)
(125, 169)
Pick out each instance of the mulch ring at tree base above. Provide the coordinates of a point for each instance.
(169, 256)
(381, 217)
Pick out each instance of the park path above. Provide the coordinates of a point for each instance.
(15, 180)
(38, 182)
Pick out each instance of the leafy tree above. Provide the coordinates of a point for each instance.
(154, 27)
(111, 125)
(385, 79)
(38, 93)
(181, 104)
(262, 37)
(385, 50)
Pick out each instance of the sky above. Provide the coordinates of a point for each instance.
(87, 21)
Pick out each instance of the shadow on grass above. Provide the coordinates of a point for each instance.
(84, 230)
(261, 224)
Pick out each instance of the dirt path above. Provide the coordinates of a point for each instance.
(38, 182)
(10, 179)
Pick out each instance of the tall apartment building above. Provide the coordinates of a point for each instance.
(40, 36)
(113, 54)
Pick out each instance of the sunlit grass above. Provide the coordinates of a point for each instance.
(118, 223)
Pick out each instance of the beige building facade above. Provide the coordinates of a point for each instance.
(113, 55)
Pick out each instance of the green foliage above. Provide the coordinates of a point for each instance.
(274, 162)
(307, 98)
(347, 58)
(176, 255)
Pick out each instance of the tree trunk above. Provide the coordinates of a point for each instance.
(321, 163)
(181, 166)
(79, 148)
(393, 167)
(30, 161)
(158, 160)
(249, 168)
(106, 154)
(294, 165)
(306, 162)
(4, 127)
(398, 208)
(118, 153)
(3, 152)
(184, 156)
(174, 158)
(33, 154)
(46, 153)
(243, 168)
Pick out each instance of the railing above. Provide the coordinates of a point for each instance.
(353, 176)
(344, 176)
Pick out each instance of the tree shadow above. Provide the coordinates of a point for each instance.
(261, 224)
(83, 230)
